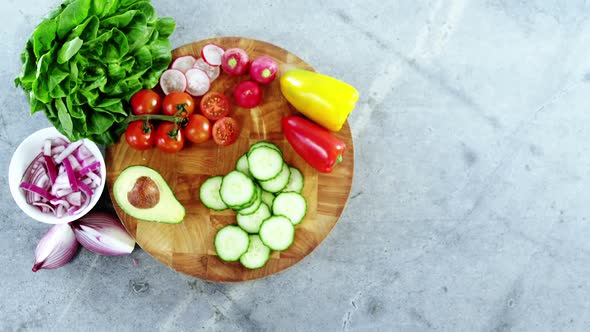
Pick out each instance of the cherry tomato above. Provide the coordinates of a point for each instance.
(176, 102)
(215, 105)
(226, 131)
(198, 129)
(169, 138)
(248, 94)
(146, 102)
(140, 135)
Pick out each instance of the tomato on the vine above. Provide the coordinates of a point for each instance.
(226, 131)
(178, 103)
(215, 105)
(146, 102)
(198, 129)
(169, 137)
(140, 135)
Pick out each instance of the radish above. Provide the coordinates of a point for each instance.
(211, 71)
(198, 82)
(173, 80)
(248, 94)
(235, 61)
(263, 69)
(212, 53)
(183, 63)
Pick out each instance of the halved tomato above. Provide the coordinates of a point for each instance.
(215, 105)
(226, 131)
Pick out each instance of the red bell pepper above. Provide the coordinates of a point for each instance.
(313, 143)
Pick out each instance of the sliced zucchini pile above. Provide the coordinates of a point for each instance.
(266, 194)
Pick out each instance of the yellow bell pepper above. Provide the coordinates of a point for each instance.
(323, 99)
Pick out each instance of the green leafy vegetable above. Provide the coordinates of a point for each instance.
(83, 63)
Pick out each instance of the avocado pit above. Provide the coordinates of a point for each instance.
(144, 194)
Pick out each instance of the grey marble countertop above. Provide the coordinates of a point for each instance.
(469, 204)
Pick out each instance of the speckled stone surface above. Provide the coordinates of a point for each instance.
(469, 209)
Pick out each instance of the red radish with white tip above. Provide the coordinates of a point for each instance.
(212, 53)
(183, 63)
(235, 62)
(263, 69)
(198, 82)
(211, 71)
(173, 80)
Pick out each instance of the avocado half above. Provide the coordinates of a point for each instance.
(143, 193)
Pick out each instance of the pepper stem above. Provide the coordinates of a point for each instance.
(338, 160)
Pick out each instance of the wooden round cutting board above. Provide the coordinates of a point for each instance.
(188, 247)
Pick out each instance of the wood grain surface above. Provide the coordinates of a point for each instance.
(188, 247)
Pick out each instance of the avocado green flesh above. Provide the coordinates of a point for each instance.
(167, 210)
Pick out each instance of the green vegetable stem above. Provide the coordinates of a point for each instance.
(85, 60)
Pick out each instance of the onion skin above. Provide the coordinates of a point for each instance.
(56, 248)
(103, 234)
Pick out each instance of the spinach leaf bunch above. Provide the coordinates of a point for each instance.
(85, 60)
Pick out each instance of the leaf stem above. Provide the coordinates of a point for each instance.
(149, 117)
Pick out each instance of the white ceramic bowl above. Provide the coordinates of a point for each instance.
(24, 155)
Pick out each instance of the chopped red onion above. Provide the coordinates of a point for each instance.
(62, 182)
(58, 149)
(63, 192)
(50, 168)
(59, 141)
(68, 150)
(74, 162)
(82, 153)
(85, 189)
(70, 173)
(37, 190)
(90, 168)
(75, 198)
(95, 178)
(47, 148)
